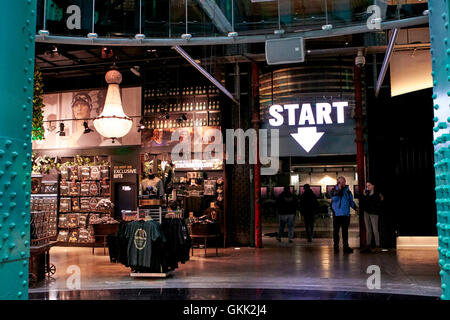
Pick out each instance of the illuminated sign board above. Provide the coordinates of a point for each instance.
(312, 129)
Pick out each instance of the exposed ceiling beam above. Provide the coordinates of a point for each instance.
(314, 34)
(208, 76)
(216, 15)
(387, 59)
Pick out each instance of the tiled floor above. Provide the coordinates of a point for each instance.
(279, 269)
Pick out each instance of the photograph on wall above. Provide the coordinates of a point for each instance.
(65, 115)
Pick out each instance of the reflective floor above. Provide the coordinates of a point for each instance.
(278, 271)
(218, 294)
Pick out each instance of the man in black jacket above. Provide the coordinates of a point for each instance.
(287, 203)
(308, 208)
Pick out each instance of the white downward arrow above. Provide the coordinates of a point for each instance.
(307, 137)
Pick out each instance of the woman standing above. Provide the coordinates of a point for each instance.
(371, 206)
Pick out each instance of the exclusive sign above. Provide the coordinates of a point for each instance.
(119, 172)
(311, 129)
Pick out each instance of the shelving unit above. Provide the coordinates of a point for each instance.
(78, 199)
(199, 104)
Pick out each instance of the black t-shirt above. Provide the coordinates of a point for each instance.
(140, 235)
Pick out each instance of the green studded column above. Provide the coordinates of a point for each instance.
(439, 12)
(18, 24)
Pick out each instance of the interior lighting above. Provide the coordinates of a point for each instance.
(86, 128)
(113, 123)
(61, 131)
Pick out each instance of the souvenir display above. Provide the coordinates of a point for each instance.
(63, 236)
(49, 188)
(93, 217)
(80, 189)
(65, 205)
(63, 222)
(95, 173)
(64, 173)
(64, 188)
(105, 189)
(93, 188)
(83, 235)
(85, 172)
(74, 188)
(72, 220)
(104, 172)
(82, 220)
(84, 204)
(209, 187)
(73, 173)
(75, 204)
(93, 204)
(35, 185)
(73, 236)
(84, 188)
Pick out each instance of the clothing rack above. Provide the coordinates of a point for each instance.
(155, 214)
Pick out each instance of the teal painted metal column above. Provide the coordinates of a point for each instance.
(439, 11)
(17, 32)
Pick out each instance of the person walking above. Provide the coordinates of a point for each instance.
(287, 203)
(308, 209)
(341, 202)
(370, 204)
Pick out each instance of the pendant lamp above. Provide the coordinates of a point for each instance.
(113, 123)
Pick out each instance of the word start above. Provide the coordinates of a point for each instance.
(322, 114)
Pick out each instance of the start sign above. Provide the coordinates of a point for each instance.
(320, 128)
(322, 114)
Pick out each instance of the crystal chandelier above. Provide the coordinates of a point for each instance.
(113, 123)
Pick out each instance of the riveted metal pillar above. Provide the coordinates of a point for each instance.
(16, 89)
(439, 11)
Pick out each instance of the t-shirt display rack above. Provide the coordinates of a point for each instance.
(75, 227)
(157, 215)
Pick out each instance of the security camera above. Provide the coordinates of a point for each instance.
(360, 60)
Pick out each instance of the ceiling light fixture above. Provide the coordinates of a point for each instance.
(135, 71)
(61, 130)
(86, 128)
(141, 126)
(113, 123)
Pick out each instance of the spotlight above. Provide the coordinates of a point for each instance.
(135, 71)
(86, 128)
(141, 125)
(107, 53)
(186, 36)
(52, 51)
(327, 27)
(61, 130)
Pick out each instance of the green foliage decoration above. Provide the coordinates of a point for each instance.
(37, 129)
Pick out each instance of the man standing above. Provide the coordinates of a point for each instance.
(308, 208)
(287, 207)
(341, 202)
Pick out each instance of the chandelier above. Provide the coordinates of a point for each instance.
(113, 123)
